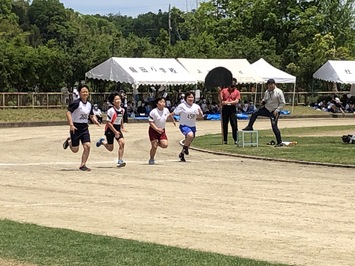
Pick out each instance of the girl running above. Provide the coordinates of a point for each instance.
(188, 111)
(114, 128)
(157, 134)
(78, 114)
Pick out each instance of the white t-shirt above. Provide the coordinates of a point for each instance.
(188, 113)
(158, 117)
(115, 115)
(80, 111)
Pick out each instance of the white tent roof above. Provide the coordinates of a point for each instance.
(267, 71)
(337, 71)
(240, 68)
(142, 71)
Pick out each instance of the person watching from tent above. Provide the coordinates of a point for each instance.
(273, 102)
(97, 112)
(141, 110)
(229, 98)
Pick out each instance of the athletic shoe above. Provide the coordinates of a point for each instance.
(224, 142)
(99, 142)
(236, 142)
(151, 161)
(84, 168)
(248, 128)
(66, 144)
(271, 143)
(279, 145)
(182, 157)
(186, 151)
(121, 163)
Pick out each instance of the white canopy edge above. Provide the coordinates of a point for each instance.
(337, 71)
(142, 71)
(267, 71)
(240, 68)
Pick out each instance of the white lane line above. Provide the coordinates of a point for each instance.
(114, 162)
(56, 203)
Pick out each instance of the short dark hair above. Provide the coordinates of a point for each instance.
(158, 99)
(112, 97)
(83, 86)
(188, 94)
(271, 81)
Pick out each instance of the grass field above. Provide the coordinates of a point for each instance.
(47, 246)
(314, 144)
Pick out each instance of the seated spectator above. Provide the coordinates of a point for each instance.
(335, 107)
(322, 105)
(141, 111)
(213, 108)
(247, 107)
(350, 107)
(203, 106)
(129, 108)
(97, 112)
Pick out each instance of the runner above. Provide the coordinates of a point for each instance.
(188, 111)
(114, 128)
(157, 134)
(78, 114)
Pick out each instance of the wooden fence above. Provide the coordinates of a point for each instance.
(59, 100)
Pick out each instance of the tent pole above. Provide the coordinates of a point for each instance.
(293, 97)
(256, 91)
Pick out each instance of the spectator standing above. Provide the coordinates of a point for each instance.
(273, 102)
(229, 98)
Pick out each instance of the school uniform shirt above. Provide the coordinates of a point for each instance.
(158, 117)
(115, 116)
(274, 100)
(188, 113)
(80, 113)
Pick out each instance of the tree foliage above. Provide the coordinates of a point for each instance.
(46, 46)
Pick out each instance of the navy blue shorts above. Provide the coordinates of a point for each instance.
(82, 135)
(110, 135)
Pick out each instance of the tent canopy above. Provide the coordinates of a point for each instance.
(142, 71)
(240, 68)
(337, 71)
(267, 71)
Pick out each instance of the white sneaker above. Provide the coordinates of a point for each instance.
(121, 163)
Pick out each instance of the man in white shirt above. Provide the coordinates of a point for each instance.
(273, 102)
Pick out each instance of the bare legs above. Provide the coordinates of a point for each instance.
(154, 146)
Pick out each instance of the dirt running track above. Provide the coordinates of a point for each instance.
(278, 212)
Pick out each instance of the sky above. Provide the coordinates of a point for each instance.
(127, 7)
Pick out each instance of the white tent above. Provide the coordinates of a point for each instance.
(142, 71)
(240, 68)
(267, 71)
(337, 71)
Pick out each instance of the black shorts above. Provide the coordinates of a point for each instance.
(81, 134)
(110, 135)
